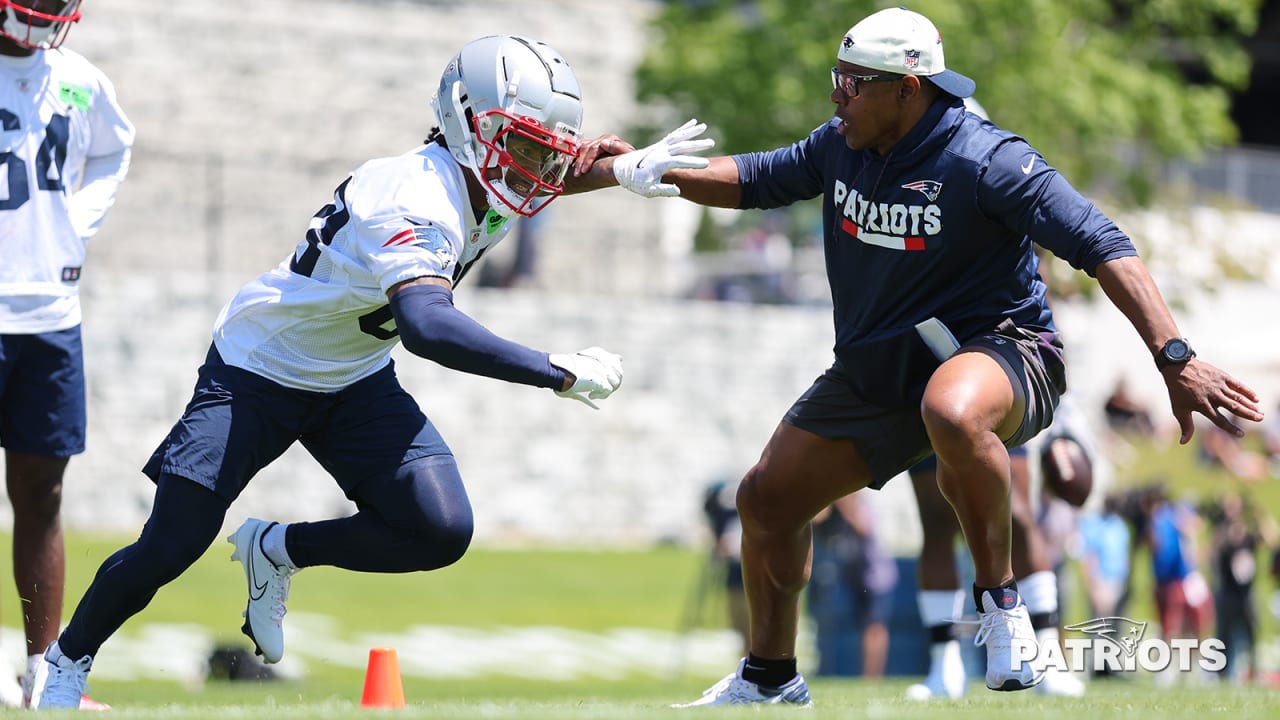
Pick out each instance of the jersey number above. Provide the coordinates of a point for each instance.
(50, 158)
(324, 226)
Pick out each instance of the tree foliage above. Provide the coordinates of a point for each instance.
(1107, 90)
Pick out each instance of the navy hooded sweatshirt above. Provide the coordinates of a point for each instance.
(940, 226)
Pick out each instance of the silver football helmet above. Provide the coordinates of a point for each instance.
(38, 24)
(513, 103)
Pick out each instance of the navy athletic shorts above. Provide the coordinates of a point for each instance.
(892, 439)
(238, 422)
(42, 408)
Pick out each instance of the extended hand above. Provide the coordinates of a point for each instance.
(641, 171)
(1200, 387)
(596, 372)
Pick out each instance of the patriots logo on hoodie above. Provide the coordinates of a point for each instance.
(928, 188)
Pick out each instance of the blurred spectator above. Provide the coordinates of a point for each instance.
(1125, 414)
(720, 507)
(1106, 545)
(1182, 595)
(1275, 581)
(1220, 449)
(1271, 443)
(853, 579)
(1235, 552)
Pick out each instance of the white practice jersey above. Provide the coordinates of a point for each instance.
(65, 150)
(321, 320)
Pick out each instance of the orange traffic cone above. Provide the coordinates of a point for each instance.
(382, 686)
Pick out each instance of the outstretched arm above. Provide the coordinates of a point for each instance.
(431, 327)
(1194, 386)
(666, 168)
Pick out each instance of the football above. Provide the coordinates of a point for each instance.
(1067, 471)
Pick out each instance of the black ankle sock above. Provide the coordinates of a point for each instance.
(1040, 621)
(995, 592)
(768, 673)
(946, 632)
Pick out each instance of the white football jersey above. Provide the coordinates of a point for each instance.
(321, 320)
(59, 114)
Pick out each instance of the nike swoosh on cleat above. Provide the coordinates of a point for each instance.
(256, 590)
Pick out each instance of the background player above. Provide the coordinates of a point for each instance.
(68, 147)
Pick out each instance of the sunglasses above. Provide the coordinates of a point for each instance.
(847, 83)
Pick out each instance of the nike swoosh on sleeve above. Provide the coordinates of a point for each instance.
(1026, 169)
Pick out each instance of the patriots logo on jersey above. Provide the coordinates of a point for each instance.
(928, 188)
(428, 238)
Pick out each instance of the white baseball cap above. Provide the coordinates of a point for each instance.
(898, 40)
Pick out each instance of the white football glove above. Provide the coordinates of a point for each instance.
(641, 171)
(598, 373)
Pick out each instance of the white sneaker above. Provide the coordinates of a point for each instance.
(946, 677)
(1062, 683)
(33, 681)
(1004, 623)
(1058, 681)
(268, 590)
(11, 691)
(65, 682)
(733, 690)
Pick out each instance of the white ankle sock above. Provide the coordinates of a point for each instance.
(940, 606)
(273, 546)
(1039, 592)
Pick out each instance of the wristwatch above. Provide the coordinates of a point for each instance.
(1175, 352)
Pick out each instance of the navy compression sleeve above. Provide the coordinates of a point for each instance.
(431, 327)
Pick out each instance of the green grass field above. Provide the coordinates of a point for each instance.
(582, 592)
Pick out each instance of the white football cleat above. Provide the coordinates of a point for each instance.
(733, 690)
(64, 684)
(268, 590)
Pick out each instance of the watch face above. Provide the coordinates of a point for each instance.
(1177, 350)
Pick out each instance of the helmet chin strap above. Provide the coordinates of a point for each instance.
(497, 205)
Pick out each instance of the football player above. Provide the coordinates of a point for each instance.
(302, 354)
(67, 145)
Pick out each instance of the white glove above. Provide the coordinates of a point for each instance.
(641, 171)
(598, 373)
